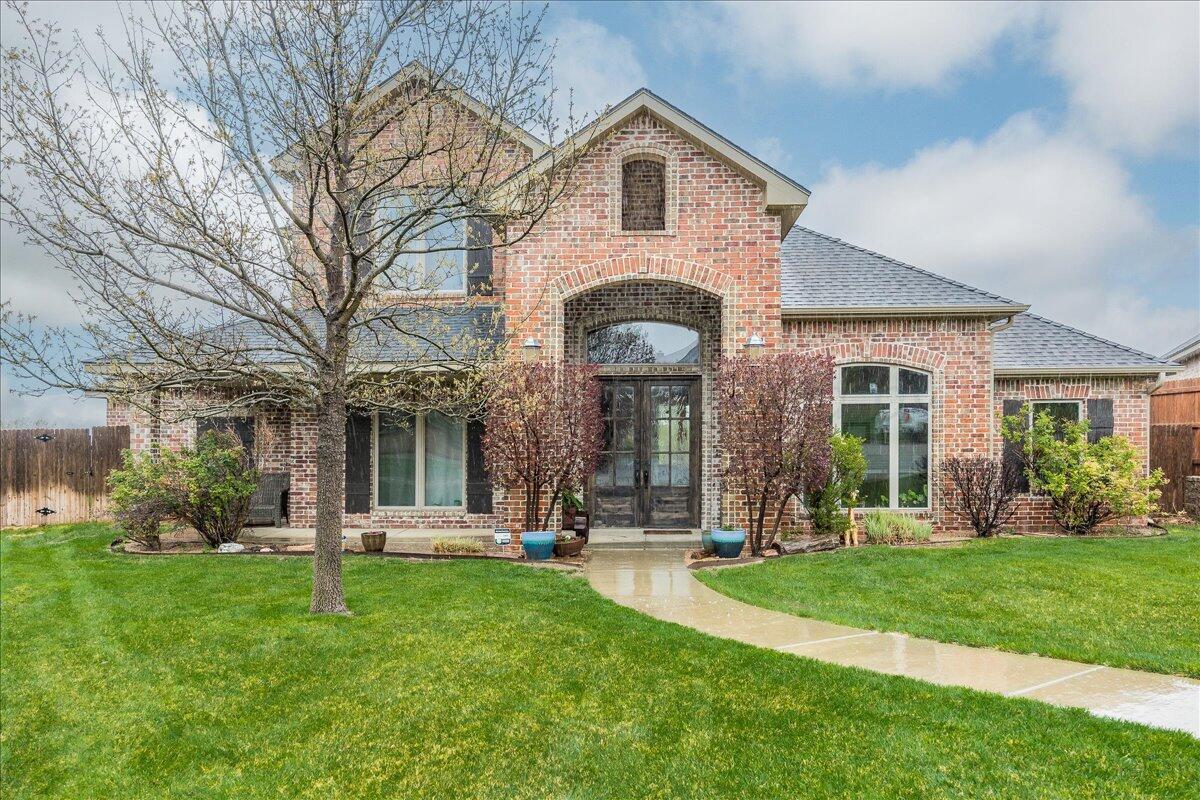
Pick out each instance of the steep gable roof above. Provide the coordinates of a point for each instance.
(783, 194)
(1034, 345)
(823, 275)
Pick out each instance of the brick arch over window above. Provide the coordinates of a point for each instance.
(887, 353)
(641, 267)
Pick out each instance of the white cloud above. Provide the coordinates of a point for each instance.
(1041, 217)
(1132, 70)
(772, 150)
(866, 44)
(600, 67)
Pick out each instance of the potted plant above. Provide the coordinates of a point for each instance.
(706, 542)
(728, 541)
(542, 435)
(373, 541)
(571, 506)
(567, 544)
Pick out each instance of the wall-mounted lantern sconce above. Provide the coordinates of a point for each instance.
(530, 349)
(755, 345)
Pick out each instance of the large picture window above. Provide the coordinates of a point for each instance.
(888, 408)
(419, 461)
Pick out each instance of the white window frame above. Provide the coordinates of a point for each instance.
(425, 269)
(893, 399)
(419, 492)
(1033, 406)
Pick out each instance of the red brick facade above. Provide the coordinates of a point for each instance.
(712, 262)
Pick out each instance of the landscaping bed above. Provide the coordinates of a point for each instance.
(1124, 600)
(188, 677)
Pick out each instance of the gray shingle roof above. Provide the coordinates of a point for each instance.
(431, 334)
(1035, 344)
(821, 272)
(1188, 349)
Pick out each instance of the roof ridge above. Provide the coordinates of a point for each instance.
(1093, 336)
(1182, 346)
(900, 263)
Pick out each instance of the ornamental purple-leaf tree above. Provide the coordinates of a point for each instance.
(543, 432)
(775, 414)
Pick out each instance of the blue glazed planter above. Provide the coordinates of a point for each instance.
(706, 541)
(538, 545)
(728, 544)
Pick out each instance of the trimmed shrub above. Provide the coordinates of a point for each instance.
(213, 484)
(457, 544)
(140, 498)
(828, 505)
(1088, 483)
(886, 527)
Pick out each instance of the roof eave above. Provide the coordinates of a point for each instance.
(993, 311)
(1041, 372)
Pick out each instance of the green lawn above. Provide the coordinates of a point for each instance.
(203, 677)
(1122, 602)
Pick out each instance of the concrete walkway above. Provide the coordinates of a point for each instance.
(656, 582)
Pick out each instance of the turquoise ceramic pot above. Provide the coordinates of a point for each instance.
(728, 544)
(538, 545)
(706, 541)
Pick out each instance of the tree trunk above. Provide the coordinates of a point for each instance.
(327, 595)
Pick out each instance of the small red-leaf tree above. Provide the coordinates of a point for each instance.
(543, 431)
(775, 414)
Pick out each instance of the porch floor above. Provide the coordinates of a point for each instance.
(406, 538)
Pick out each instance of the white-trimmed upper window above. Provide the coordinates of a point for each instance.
(419, 461)
(888, 408)
(440, 261)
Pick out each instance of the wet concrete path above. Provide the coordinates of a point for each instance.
(657, 583)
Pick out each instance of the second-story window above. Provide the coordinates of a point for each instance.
(437, 260)
(643, 195)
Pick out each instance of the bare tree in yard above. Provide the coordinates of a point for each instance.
(984, 491)
(775, 416)
(233, 232)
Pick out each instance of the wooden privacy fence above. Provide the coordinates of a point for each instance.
(1175, 449)
(1176, 402)
(57, 475)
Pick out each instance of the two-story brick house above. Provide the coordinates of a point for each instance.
(678, 247)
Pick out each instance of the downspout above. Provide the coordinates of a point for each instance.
(1004, 325)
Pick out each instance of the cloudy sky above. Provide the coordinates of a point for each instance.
(1050, 153)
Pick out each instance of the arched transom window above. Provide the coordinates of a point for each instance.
(643, 343)
(888, 408)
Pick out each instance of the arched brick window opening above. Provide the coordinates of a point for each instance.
(643, 195)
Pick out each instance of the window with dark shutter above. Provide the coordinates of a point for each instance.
(242, 427)
(479, 484)
(479, 257)
(1100, 419)
(358, 463)
(1012, 450)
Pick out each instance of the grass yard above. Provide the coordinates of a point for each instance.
(1121, 602)
(204, 677)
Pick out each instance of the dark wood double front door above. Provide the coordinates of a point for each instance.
(650, 466)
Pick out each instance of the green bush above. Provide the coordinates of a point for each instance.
(1087, 483)
(456, 544)
(213, 484)
(827, 506)
(140, 498)
(886, 527)
(209, 487)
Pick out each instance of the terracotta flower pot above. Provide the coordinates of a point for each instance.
(571, 547)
